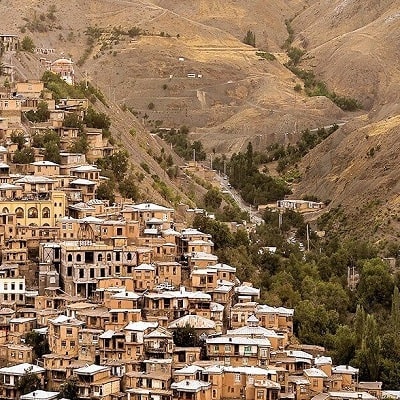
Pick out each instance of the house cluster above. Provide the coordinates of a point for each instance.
(132, 304)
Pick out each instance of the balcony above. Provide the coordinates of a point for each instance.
(152, 349)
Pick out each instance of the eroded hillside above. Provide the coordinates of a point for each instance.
(188, 65)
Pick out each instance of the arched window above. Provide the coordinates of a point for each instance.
(46, 212)
(19, 212)
(5, 210)
(129, 256)
(100, 257)
(32, 212)
(108, 257)
(78, 258)
(69, 257)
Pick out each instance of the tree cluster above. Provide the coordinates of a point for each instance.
(254, 186)
(180, 141)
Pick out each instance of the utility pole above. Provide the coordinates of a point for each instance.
(194, 155)
(280, 217)
(308, 238)
(211, 161)
(224, 168)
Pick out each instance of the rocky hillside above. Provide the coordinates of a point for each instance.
(188, 66)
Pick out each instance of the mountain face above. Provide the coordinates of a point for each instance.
(188, 65)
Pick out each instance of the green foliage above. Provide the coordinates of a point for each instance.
(290, 38)
(232, 213)
(42, 113)
(221, 235)
(128, 188)
(39, 343)
(298, 87)
(291, 154)
(27, 44)
(145, 167)
(212, 199)
(181, 144)
(344, 344)
(19, 139)
(106, 191)
(117, 164)
(28, 382)
(24, 156)
(93, 34)
(250, 38)
(254, 186)
(98, 120)
(50, 142)
(134, 31)
(313, 323)
(295, 55)
(186, 336)
(266, 55)
(81, 145)
(72, 120)
(368, 356)
(315, 87)
(62, 90)
(69, 389)
(376, 285)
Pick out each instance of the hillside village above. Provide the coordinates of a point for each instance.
(125, 301)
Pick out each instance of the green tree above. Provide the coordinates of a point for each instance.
(98, 120)
(376, 285)
(52, 152)
(395, 312)
(250, 38)
(27, 44)
(42, 114)
(28, 382)
(19, 139)
(81, 145)
(39, 343)
(368, 357)
(50, 142)
(212, 199)
(221, 235)
(313, 323)
(186, 336)
(344, 345)
(106, 191)
(128, 189)
(24, 156)
(119, 163)
(69, 389)
(72, 121)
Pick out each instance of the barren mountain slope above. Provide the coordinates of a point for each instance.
(353, 46)
(358, 168)
(236, 95)
(239, 97)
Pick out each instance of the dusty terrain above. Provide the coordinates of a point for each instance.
(351, 45)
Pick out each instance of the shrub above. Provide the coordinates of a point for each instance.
(250, 38)
(27, 44)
